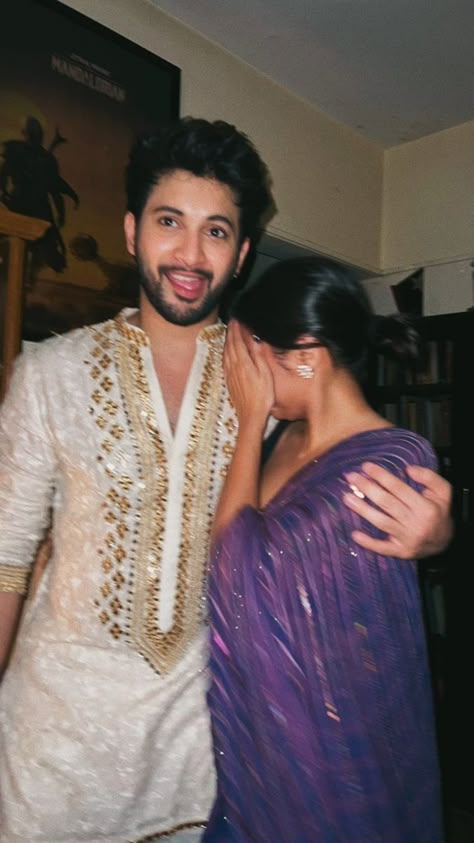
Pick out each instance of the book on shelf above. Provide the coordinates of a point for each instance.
(429, 417)
(445, 360)
(428, 369)
(440, 411)
(393, 373)
(434, 366)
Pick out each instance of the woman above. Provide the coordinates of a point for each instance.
(320, 698)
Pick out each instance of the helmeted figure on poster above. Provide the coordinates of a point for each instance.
(31, 184)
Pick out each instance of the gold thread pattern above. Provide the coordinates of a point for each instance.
(110, 607)
(164, 649)
(13, 579)
(131, 559)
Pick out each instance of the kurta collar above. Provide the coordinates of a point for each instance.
(137, 335)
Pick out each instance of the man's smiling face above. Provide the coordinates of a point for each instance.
(187, 246)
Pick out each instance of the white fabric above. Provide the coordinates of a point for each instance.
(104, 729)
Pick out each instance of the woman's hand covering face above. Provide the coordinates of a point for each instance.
(248, 376)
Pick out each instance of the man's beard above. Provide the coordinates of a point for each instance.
(188, 313)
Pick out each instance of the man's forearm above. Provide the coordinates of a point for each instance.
(11, 605)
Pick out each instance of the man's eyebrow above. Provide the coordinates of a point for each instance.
(168, 208)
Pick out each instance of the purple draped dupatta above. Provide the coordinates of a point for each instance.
(321, 697)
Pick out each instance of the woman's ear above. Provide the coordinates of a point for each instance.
(305, 364)
(309, 351)
(305, 355)
(314, 357)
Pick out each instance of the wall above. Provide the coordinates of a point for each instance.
(428, 203)
(447, 288)
(327, 179)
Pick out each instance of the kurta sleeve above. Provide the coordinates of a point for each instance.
(27, 470)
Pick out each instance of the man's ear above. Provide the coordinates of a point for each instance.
(130, 229)
(243, 252)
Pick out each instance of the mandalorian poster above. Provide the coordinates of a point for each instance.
(73, 95)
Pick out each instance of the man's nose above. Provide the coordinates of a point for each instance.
(190, 248)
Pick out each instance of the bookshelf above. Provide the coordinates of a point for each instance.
(434, 398)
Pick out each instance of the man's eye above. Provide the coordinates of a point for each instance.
(220, 233)
(167, 221)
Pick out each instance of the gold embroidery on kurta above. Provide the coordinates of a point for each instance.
(110, 608)
(14, 579)
(163, 649)
(136, 617)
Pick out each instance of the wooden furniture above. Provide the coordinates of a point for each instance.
(18, 230)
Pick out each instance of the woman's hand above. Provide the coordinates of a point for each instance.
(248, 376)
(250, 385)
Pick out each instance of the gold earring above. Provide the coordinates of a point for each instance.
(304, 371)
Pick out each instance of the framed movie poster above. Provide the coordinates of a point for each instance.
(73, 96)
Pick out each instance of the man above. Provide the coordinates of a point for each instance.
(125, 430)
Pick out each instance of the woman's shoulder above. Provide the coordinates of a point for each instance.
(401, 439)
(387, 446)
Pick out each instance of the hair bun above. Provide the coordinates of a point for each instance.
(394, 336)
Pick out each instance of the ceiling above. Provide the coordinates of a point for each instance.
(393, 70)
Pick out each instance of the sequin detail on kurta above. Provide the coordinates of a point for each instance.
(321, 699)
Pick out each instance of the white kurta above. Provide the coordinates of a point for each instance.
(104, 725)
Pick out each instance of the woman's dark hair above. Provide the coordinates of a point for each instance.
(211, 150)
(321, 299)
